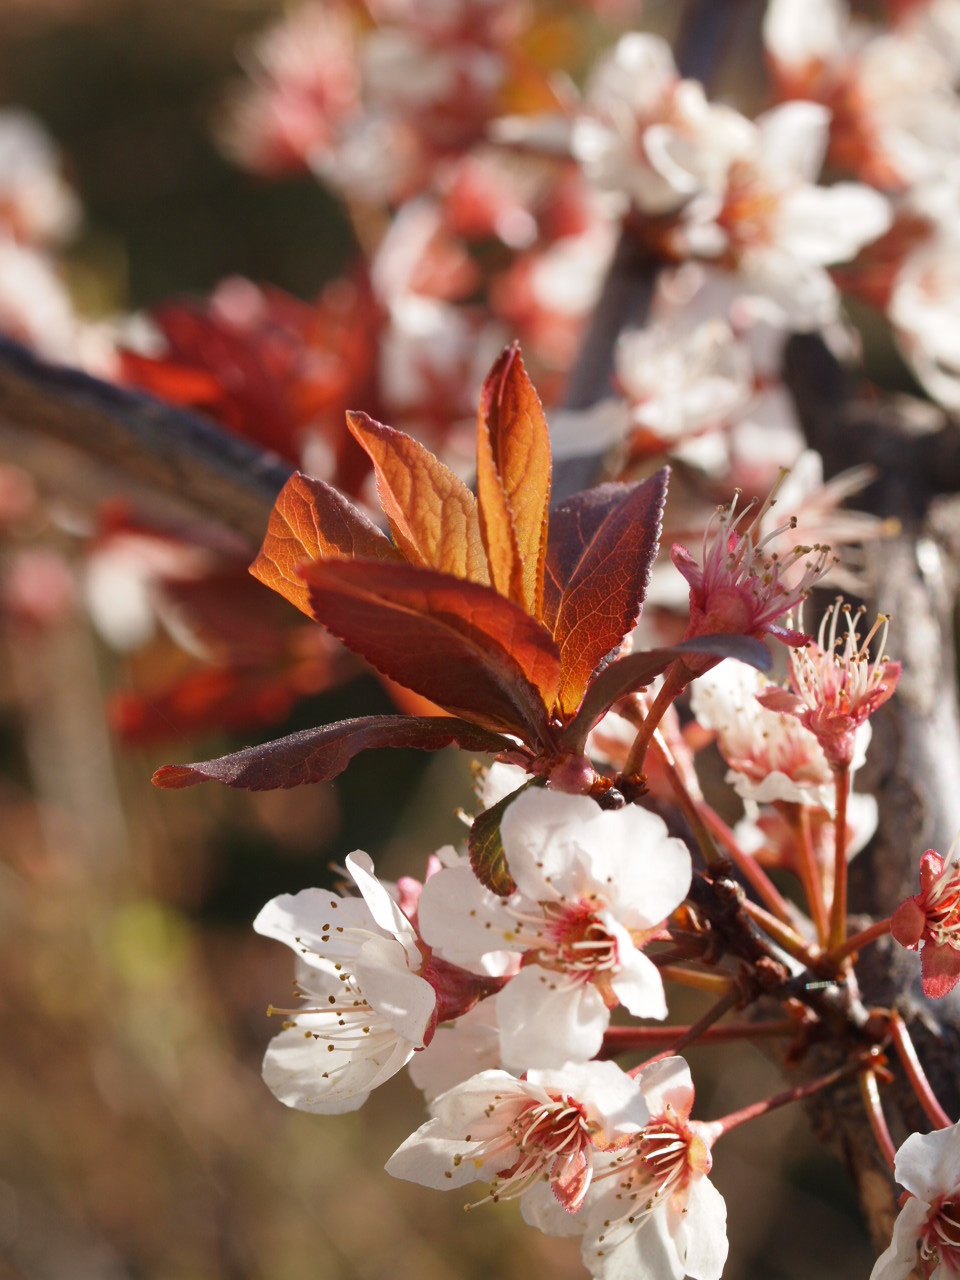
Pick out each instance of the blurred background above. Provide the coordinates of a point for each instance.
(136, 1137)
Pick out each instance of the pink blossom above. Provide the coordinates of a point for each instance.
(837, 687)
(740, 589)
(931, 920)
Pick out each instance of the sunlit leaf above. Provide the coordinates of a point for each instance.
(316, 755)
(432, 513)
(458, 643)
(312, 521)
(513, 481)
(603, 543)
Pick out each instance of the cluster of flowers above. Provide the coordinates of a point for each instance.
(489, 195)
(526, 981)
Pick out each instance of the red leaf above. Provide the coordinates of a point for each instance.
(636, 670)
(513, 481)
(602, 547)
(432, 513)
(312, 521)
(458, 643)
(316, 755)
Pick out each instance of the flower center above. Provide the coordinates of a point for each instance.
(656, 1166)
(942, 910)
(576, 940)
(552, 1139)
(940, 1239)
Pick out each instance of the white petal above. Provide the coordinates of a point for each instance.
(403, 999)
(546, 1021)
(464, 921)
(382, 907)
(542, 840)
(899, 1258)
(643, 872)
(465, 1109)
(667, 1082)
(823, 225)
(797, 32)
(609, 1095)
(541, 1209)
(793, 139)
(468, 1046)
(705, 1227)
(315, 920)
(310, 1075)
(435, 1160)
(645, 1251)
(928, 1164)
(638, 985)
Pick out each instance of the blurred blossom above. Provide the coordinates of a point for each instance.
(36, 204)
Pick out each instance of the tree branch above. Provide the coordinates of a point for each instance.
(192, 462)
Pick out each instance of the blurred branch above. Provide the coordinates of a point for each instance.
(184, 457)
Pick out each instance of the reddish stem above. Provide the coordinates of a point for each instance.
(838, 908)
(798, 1092)
(747, 865)
(687, 801)
(809, 871)
(719, 982)
(858, 941)
(623, 1039)
(782, 934)
(673, 685)
(878, 1123)
(907, 1053)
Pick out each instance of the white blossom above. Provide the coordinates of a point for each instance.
(365, 1009)
(514, 1133)
(654, 1212)
(770, 759)
(592, 886)
(926, 1235)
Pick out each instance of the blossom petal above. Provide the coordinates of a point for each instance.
(464, 921)
(315, 921)
(465, 1108)
(928, 1164)
(465, 1048)
(403, 999)
(644, 872)
(638, 985)
(908, 923)
(607, 1093)
(541, 1209)
(546, 1020)
(382, 907)
(705, 1227)
(542, 838)
(940, 967)
(667, 1083)
(899, 1258)
(320, 1076)
(434, 1160)
(643, 1251)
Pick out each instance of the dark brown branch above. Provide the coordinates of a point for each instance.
(192, 462)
